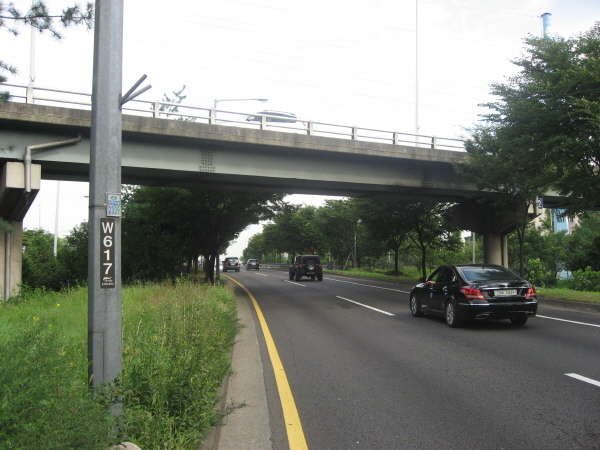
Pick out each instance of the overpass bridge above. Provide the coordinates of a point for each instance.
(230, 153)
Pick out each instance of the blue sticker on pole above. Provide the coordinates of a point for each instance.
(113, 205)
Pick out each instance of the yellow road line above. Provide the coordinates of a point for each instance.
(293, 425)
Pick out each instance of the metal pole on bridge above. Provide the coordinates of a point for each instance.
(104, 244)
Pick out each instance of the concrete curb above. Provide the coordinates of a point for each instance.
(250, 424)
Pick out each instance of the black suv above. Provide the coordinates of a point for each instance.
(306, 266)
(252, 264)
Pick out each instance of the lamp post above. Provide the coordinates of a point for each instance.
(262, 100)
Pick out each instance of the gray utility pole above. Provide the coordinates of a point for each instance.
(104, 245)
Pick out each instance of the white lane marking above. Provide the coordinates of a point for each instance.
(570, 321)
(366, 306)
(297, 284)
(367, 285)
(582, 378)
(261, 274)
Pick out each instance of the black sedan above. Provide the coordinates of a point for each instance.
(474, 292)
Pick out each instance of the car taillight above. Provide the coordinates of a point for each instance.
(531, 293)
(473, 294)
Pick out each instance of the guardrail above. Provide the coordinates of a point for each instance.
(176, 111)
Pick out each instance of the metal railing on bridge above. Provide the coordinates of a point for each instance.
(176, 111)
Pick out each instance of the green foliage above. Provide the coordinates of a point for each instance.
(583, 246)
(44, 399)
(40, 268)
(40, 18)
(175, 357)
(543, 129)
(163, 227)
(538, 274)
(585, 280)
(73, 255)
(176, 342)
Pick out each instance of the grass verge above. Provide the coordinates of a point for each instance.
(176, 342)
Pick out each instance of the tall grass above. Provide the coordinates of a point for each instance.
(176, 341)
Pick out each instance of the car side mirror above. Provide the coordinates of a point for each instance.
(422, 280)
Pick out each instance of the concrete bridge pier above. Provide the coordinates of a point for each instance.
(494, 225)
(495, 249)
(15, 201)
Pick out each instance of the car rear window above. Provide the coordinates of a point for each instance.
(487, 274)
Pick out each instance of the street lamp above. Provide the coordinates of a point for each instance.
(262, 100)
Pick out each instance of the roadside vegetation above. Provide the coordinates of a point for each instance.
(176, 343)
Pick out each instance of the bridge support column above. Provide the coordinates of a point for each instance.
(495, 249)
(11, 259)
(15, 200)
(484, 219)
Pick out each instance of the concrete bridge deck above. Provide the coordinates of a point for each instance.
(164, 152)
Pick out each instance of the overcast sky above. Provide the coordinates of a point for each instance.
(349, 62)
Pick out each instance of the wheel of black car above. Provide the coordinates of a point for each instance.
(450, 314)
(310, 266)
(297, 277)
(415, 306)
(320, 277)
(521, 320)
(291, 275)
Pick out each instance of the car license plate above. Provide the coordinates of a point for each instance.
(506, 292)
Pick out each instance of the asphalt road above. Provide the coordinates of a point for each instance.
(365, 374)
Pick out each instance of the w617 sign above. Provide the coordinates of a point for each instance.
(107, 253)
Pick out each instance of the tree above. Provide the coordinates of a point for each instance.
(546, 120)
(500, 161)
(39, 17)
(170, 105)
(40, 268)
(73, 255)
(296, 231)
(583, 246)
(431, 228)
(340, 224)
(544, 251)
(387, 222)
(163, 227)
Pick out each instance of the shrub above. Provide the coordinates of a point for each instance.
(537, 273)
(585, 280)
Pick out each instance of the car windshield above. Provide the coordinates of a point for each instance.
(482, 273)
(231, 260)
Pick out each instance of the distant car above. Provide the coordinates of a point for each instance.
(274, 118)
(252, 264)
(306, 266)
(474, 292)
(231, 263)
